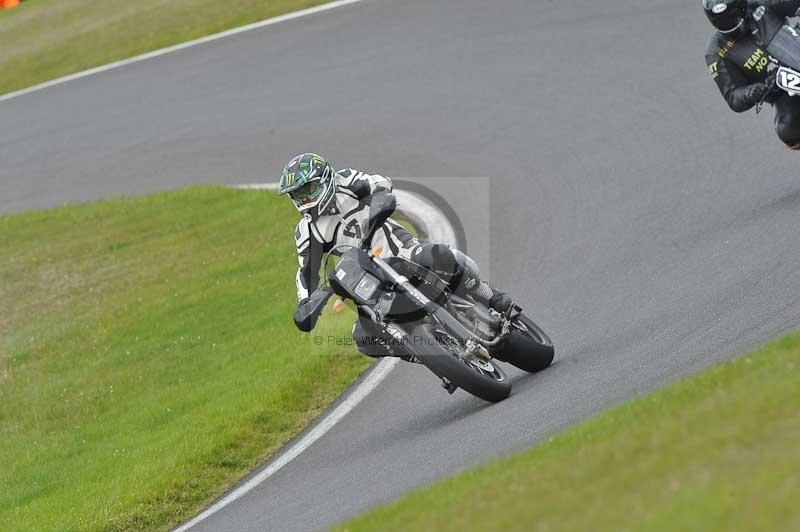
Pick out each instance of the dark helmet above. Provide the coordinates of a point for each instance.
(726, 15)
(311, 183)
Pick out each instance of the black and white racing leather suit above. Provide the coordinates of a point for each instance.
(346, 224)
(739, 62)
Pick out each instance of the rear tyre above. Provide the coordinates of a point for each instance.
(528, 347)
(443, 355)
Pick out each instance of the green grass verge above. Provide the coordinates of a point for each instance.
(716, 452)
(45, 39)
(148, 358)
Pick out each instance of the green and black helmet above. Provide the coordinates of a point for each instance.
(311, 183)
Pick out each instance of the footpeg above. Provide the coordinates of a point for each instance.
(449, 386)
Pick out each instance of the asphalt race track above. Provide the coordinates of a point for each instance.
(650, 230)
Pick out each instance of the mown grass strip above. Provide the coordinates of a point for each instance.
(46, 39)
(715, 452)
(148, 358)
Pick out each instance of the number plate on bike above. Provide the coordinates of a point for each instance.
(789, 80)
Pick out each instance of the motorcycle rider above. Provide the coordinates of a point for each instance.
(339, 208)
(740, 65)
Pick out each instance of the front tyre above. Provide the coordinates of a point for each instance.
(527, 347)
(444, 356)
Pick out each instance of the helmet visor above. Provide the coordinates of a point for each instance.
(308, 193)
(728, 22)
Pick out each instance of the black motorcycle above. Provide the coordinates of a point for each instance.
(783, 61)
(455, 336)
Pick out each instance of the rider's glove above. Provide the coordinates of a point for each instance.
(309, 309)
(758, 91)
(302, 319)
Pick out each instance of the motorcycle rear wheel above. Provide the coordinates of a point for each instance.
(528, 347)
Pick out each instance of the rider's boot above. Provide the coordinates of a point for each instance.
(492, 297)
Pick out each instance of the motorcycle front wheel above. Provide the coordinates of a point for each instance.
(445, 357)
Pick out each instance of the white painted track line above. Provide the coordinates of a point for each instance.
(376, 375)
(181, 46)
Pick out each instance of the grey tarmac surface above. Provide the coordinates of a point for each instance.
(650, 230)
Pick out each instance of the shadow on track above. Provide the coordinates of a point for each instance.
(450, 410)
